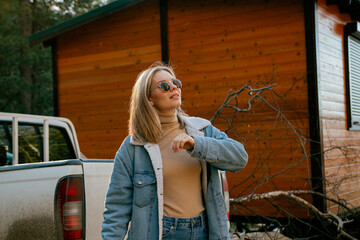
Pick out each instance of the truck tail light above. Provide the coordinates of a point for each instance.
(69, 208)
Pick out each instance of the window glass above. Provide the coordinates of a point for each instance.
(5, 145)
(30, 144)
(60, 146)
(30, 141)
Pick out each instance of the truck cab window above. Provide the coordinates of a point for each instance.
(29, 140)
(30, 144)
(60, 146)
(5, 145)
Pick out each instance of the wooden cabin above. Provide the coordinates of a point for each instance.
(309, 49)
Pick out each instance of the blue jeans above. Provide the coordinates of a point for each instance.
(194, 228)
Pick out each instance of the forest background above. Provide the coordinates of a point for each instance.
(26, 83)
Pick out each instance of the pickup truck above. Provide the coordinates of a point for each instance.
(48, 189)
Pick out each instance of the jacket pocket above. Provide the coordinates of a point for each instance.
(144, 189)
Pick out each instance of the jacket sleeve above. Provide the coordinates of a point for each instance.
(219, 150)
(118, 203)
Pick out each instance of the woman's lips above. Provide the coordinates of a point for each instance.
(174, 96)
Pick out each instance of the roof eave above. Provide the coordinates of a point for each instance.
(58, 29)
(346, 6)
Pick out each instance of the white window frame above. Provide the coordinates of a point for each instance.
(352, 72)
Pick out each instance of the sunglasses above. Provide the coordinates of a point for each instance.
(165, 86)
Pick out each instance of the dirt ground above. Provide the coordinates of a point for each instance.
(260, 236)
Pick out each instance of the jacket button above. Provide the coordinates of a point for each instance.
(140, 182)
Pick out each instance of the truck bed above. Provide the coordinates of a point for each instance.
(27, 206)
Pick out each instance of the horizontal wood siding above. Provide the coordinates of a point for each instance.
(341, 159)
(97, 66)
(220, 45)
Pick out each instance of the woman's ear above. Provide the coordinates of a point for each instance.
(151, 101)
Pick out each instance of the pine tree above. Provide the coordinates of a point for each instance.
(25, 71)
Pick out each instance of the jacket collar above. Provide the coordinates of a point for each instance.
(193, 125)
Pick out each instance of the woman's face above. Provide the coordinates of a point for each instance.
(164, 102)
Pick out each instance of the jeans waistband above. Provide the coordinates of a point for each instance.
(186, 222)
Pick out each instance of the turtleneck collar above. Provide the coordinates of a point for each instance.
(168, 120)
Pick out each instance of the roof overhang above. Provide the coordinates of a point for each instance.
(52, 32)
(347, 6)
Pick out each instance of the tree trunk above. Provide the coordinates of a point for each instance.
(26, 69)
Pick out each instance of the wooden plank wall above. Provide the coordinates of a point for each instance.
(342, 166)
(217, 45)
(97, 66)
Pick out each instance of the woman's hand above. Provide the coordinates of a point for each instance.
(182, 141)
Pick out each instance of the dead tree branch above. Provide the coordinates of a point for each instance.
(267, 99)
(293, 195)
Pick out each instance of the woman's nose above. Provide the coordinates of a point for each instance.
(172, 86)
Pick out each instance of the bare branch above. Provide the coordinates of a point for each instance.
(291, 194)
(267, 100)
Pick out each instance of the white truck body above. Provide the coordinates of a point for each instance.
(28, 191)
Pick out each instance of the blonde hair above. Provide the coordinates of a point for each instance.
(144, 122)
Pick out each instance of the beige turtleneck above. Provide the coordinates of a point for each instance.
(182, 174)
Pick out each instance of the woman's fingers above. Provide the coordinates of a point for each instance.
(175, 145)
(182, 141)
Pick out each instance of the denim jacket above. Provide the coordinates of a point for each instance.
(135, 192)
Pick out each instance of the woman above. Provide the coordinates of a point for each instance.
(165, 179)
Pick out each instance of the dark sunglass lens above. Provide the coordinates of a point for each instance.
(165, 86)
(177, 83)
